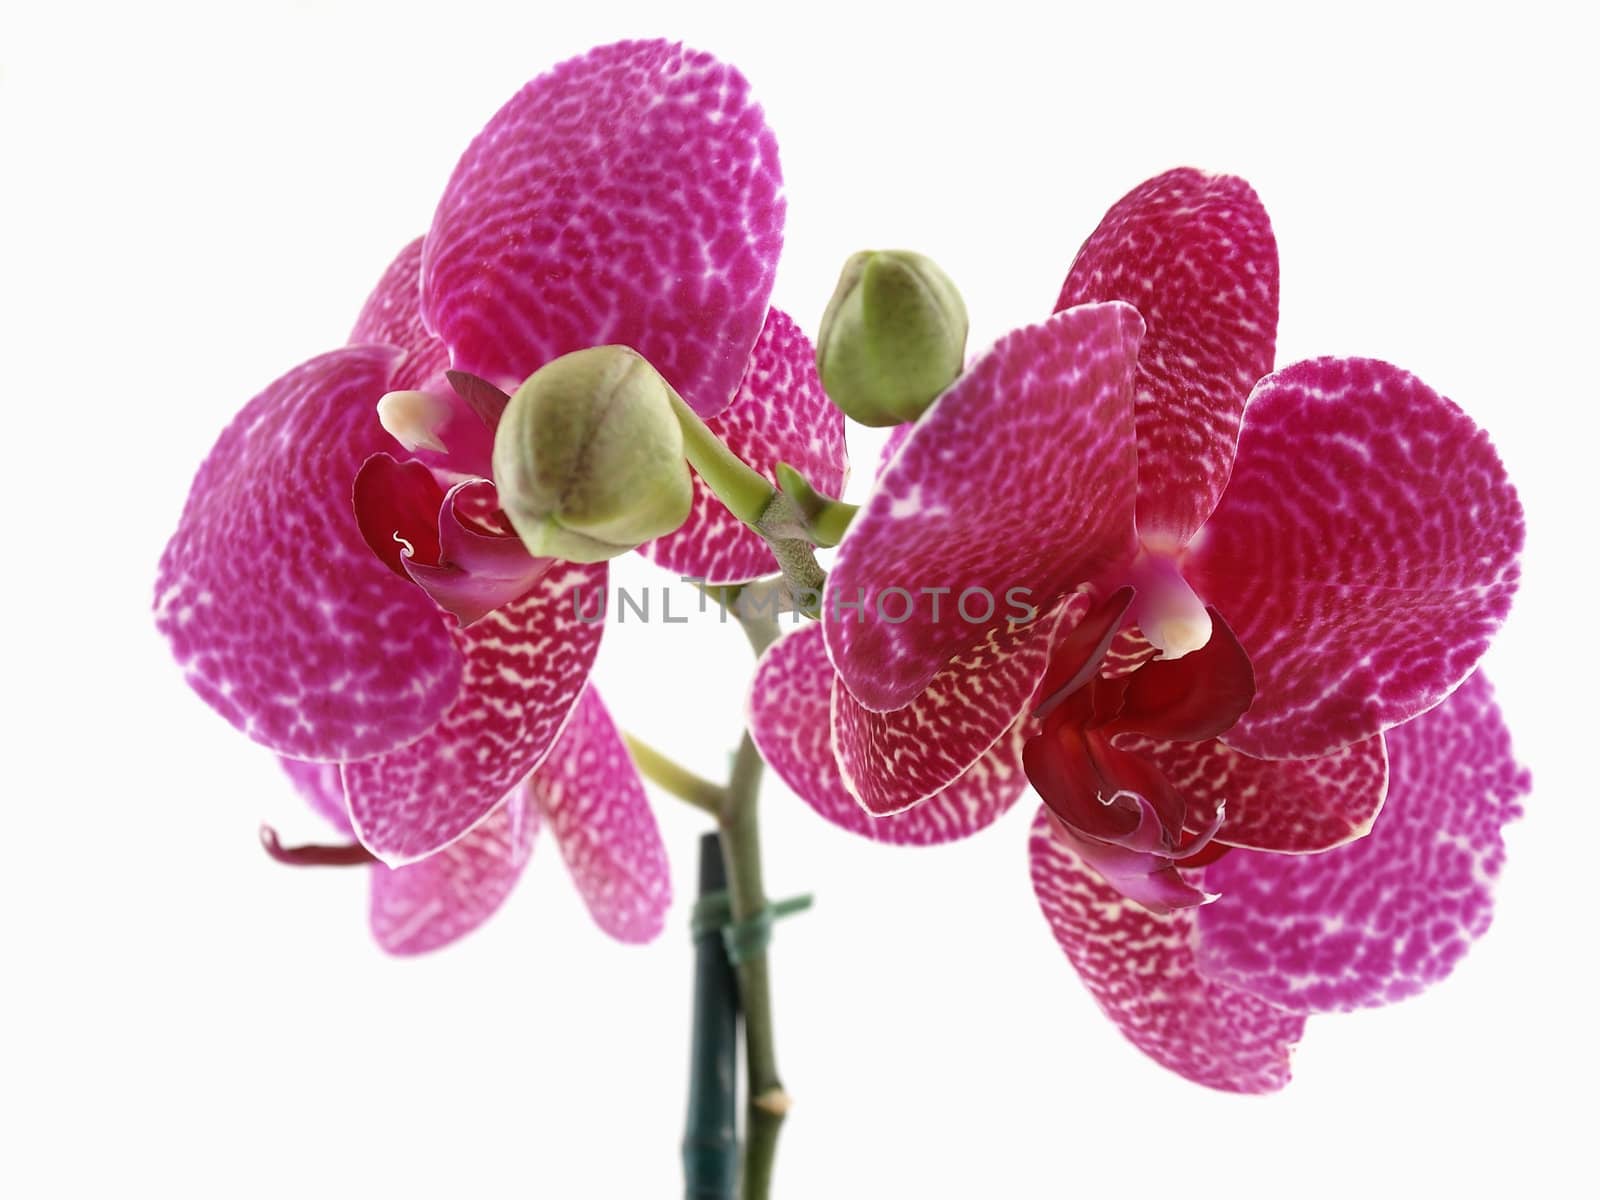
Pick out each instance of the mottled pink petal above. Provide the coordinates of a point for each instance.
(1293, 806)
(789, 719)
(1364, 553)
(392, 316)
(1194, 253)
(1383, 917)
(526, 665)
(1140, 968)
(280, 616)
(631, 196)
(781, 415)
(590, 793)
(892, 760)
(447, 895)
(891, 446)
(1016, 486)
(322, 787)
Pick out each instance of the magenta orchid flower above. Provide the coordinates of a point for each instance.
(587, 792)
(1239, 580)
(342, 586)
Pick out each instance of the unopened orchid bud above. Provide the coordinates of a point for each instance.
(893, 337)
(588, 458)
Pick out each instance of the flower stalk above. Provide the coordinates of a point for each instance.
(767, 1102)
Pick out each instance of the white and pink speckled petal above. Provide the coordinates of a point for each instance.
(891, 761)
(781, 415)
(1290, 806)
(439, 899)
(1017, 482)
(1364, 553)
(631, 195)
(789, 718)
(1140, 968)
(392, 315)
(1386, 916)
(280, 616)
(527, 663)
(589, 791)
(1194, 253)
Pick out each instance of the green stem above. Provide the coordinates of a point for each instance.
(674, 779)
(826, 518)
(767, 1102)
(737, 485)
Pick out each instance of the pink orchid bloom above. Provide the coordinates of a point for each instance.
(588, 793)
(1220, 993)
(1242, 579)
(344, 605)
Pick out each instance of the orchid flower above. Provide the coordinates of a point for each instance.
(585, 790)
(340, 604)
(1220, 993)
(1238, 579)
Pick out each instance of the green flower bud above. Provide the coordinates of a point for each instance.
(893, 337)
(588, 458)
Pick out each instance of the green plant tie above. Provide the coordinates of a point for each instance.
(741, 940)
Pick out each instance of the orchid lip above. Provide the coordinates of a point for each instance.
(348, 855)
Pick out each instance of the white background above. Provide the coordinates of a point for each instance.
(195, 200)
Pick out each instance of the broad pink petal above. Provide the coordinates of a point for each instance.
(526, 665)
(892, 760)
(789, 719)
(1016, 486)
(280, 616)
(447, 895)
(1293, 806)
(1140, 968)
(630, 196)
(1194, 253)
(590, 793)
(781, 415)
(1383, 917)
(322, 787)
(1364, 553)
(891, 446)
(392, 316)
